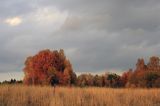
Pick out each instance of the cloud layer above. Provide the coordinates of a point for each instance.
(97, 35)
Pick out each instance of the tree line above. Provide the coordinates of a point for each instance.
(53, 68)
(12, 81)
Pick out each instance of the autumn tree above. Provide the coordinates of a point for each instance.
(140, 66)
(114, 80)
(125, 77)
(154, 64)
(48, 67)
(98, 81)
(145, 75)
(85, 80)
(150, 78)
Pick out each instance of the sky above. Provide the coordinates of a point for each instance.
(97, 35)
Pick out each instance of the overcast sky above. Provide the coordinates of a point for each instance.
(96, 35)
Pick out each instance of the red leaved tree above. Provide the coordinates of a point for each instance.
(48, 67)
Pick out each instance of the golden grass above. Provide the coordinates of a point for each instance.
(16, 95)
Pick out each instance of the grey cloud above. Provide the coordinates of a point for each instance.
(96, 35)
(10, 8)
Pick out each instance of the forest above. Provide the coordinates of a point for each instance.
(53, 68)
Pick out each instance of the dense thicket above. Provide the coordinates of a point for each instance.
(106, 80)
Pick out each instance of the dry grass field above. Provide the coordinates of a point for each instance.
(12, 95)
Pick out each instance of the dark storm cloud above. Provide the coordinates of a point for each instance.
(97, 35)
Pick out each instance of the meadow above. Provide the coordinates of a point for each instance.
(19, 95)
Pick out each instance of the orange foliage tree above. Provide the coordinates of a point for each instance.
(145, 75)
(48, 67)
